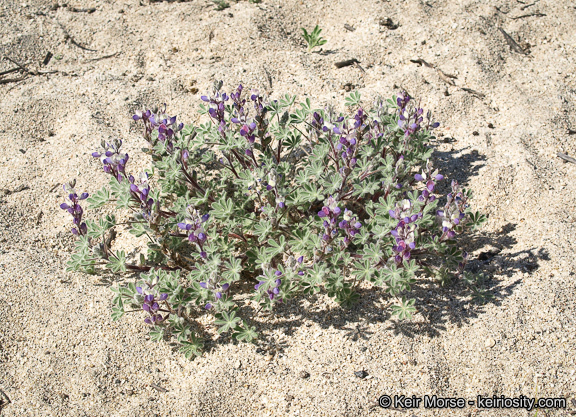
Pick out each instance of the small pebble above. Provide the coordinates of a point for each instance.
(490, 342)
(361, 374)
(304, 374)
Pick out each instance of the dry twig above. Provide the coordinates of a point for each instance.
(566, 157)
(536, 14)
(104, 57)
(158, 388)
(346, 63)
(67, 37)
(512, 43)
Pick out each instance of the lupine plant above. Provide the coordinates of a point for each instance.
(313, 39)
(294, 199)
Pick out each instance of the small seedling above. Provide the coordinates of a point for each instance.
(313, 39)
(221, 4)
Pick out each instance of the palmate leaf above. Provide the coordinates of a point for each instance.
(227, 320)
(332, 183)
(121, 192)
(139, 229)
(393, 277)
(157, 333)
(347, 297)
(293, 140)
(182, 332)
(258, 256)
(372, 253)
(316, 169)
(364, 270)
(334, 283)
(77, 262)
(233, 270)
(313, 38)
(302, 177)
(275, 248)
(117, 263)
(287, 101)
(310, 193)
(82, 244)
(310, 282)
(245, 333)
(300, 243)
(223, 208)
(191, 348)
(477, 220)
(187, 130)
(262, 229)
(99, 198)
(353, 99)
(98, 229)
(405, 309)
(117, 313)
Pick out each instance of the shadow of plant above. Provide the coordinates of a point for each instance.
(438, 306)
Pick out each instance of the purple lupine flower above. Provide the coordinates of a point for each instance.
(350, 225)
(114, 162)
(454, 211)
(140, 192)
(409, 117)
(149, 298)
(193, 224)
(165, 125)
(73, 207)
(404, 232)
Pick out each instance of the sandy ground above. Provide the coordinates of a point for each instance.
(60, 352)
